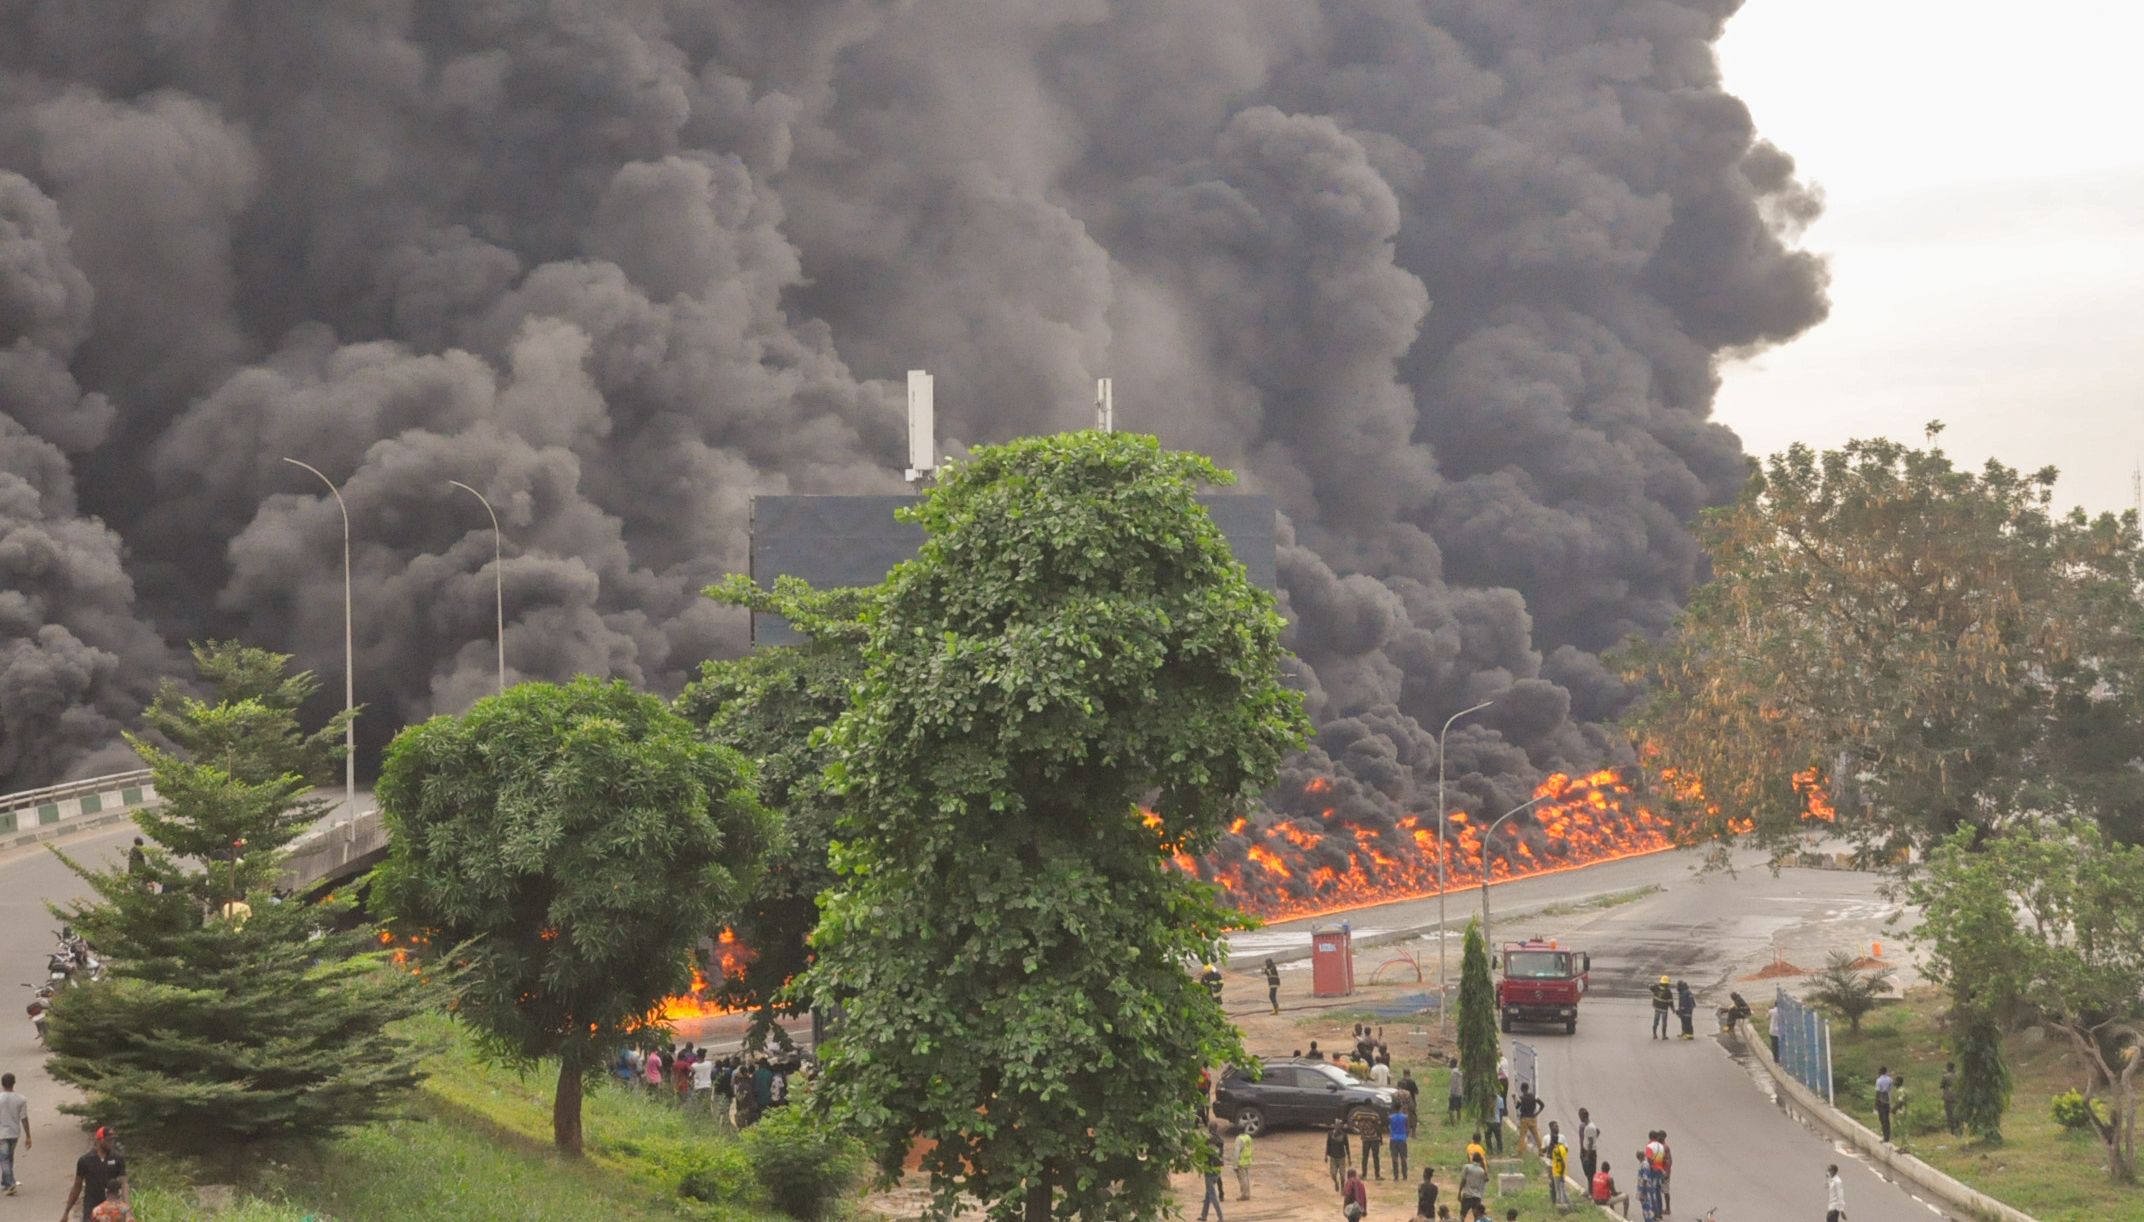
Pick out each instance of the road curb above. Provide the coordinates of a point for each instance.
(1972, 1202)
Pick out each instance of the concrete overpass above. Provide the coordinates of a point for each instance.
(341, 846)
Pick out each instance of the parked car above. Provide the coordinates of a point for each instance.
(1300, 1092)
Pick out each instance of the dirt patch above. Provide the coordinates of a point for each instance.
(1776, 969)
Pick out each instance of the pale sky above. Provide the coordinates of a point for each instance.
(1983, 167)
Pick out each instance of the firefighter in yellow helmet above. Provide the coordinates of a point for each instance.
(1663, 1002)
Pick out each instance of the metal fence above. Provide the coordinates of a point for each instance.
(1804, 1044)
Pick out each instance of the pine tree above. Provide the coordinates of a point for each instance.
(1477, 1026)
(226, 1015)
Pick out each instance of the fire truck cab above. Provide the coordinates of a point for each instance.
(1542, 983)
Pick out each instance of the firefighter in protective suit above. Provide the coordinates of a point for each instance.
(1663, 1002)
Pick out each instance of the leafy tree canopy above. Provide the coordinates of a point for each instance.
(774, 707)
(572, 843)
(1007, 940)
(2045, 923)
(1937, 646)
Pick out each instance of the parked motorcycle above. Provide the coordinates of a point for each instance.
(40, 1002)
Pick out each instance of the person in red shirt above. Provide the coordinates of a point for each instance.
(115, 1207)
(1604, 1192)
(1354, 1196)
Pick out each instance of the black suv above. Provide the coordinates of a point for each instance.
(1294, 1091)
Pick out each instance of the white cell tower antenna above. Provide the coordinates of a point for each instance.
(922, 425)
(1105, 406)
(2136, 489)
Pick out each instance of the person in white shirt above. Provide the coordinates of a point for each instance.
(14, 1127)
(1773, 1024)
(1381, 1074)
(1834, 1195)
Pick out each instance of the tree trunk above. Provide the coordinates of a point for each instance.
(1038, 1196)
(566, 1107)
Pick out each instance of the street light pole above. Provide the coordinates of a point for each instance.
(498, 577)
(1441, 882)
(1530, 802)
(349, 659)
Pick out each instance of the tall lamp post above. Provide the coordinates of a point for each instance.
(1441, 885)
(349, 660)
(1530, 802)
(498, 576)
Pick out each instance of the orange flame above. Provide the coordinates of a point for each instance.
(1297, 868)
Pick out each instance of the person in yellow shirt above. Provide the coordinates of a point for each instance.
(1476, 1150)
(1559, 1162)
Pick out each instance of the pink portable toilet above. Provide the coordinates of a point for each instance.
(1332, 962)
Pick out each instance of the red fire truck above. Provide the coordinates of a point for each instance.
(1542, 984)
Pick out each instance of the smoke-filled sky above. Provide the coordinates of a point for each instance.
(1450, 279)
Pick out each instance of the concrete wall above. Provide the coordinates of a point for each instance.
(41, 813)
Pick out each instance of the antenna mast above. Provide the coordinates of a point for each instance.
(1105, 406)
(922, 425)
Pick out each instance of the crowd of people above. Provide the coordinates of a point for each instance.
(741, 1086)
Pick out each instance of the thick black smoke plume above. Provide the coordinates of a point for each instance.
(1449, 278)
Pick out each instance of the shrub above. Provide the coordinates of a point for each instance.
(2069, 1110)
(720, 1173)
(803, 1163)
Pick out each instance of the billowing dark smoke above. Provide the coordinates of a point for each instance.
(1448, 278)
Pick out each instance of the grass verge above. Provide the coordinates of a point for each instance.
(477, 1145)
(2054, 1174)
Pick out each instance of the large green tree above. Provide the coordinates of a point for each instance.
(1938, 646)
(2045, 923)
(1477, 1026)
(773, 705)
(1007, 937)
(227, 1016)
(571, 843)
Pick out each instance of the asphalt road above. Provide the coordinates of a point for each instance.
(1735, 1149)
(30, 877)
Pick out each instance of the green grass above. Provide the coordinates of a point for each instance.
(478, 1146)
(1613, 899)
(2053, 1174)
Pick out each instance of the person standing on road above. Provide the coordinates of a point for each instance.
(1530, 1107)
(1455, 1100)
(1273, 986)
(1336, 1154)
(1589, 1144)
(1664, 1163)
(1884, 1083)
(1212, 1169)
(1373, 1150)
(1663, 1001)
(1354, 1198)
(1949, 1088)
(96, 1174)
(1410, 1097)
(1473, 1187)
(1772, 1024)
(1243, 1163)
(1685, 1007)
(14, 1127)
(1834, 1195)
(1400, 1130)
(1425, 1197)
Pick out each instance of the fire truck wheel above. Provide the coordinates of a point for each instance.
(1570, 1026)
(1507, 1022)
